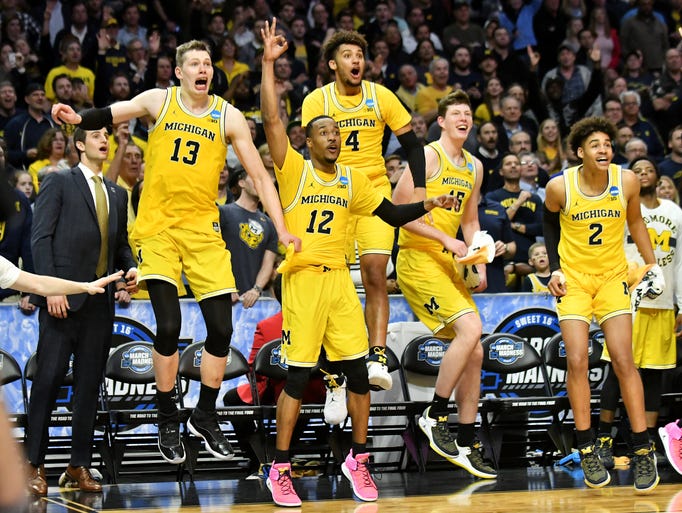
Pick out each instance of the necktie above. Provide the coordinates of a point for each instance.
(103, 222)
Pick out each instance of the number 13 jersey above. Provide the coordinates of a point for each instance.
(186, 154)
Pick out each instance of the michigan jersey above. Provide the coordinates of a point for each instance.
(361, 119)
(592, 227)
(186, 155)
(449, 178)
(664, 224)
(317, 207)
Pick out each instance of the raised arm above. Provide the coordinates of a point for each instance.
(275, 132)
(148, 102)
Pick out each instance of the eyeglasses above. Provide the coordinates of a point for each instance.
(528, 163)
(625, 104)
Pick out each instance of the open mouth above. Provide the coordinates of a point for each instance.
(355, 73)
(201, 82)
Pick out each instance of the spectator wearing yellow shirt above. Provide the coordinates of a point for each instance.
(70, 51)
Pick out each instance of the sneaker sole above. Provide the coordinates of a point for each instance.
(346, 472)
(381, 382)
(665, 438)
(207, 446)
(598, 485)
(649, 488)
(284, 504)
(463, 462)
(176, 461)
(436, 449)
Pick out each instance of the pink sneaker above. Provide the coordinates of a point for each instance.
(280, 485)
(671, 436)
(355, 469)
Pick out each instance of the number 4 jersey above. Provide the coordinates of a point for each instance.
(186, 153)
(361, 119)
(592, 227)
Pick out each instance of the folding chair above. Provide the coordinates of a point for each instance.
(505, 356)
(63, 418)
(130, 367)
(10, 372)
(189, 370)
(420, 362)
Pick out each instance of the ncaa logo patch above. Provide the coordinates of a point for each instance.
(276, 358)
(432, 351)
(506, 351)
(613, 191)
(215, 114)
(138, 359)
(370, 103)
(343, 180)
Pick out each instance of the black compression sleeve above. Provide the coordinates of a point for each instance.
(552, 234)
(415, 157)
(94, 119)
(398, 215)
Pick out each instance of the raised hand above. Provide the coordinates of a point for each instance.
(273, 45)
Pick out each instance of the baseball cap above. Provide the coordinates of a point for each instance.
(565, 45)
(111, 22)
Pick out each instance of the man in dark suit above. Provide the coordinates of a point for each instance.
(79, 233)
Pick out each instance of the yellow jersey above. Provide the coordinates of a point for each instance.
(317, 207)
(186, 155)
(450, 178)
(362, 119)
(593, 227)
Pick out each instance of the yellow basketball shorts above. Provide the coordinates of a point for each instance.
(434, 290)
(321, 309)
(653, 339)
(602, 295)
(373, 235)
(200, 255)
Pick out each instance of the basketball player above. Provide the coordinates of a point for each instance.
(436, 292)
(586, 209)
(177, 228)
(319, 196)
(362, 110)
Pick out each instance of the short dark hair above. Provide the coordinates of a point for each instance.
(343, 37)
(581, 130)
(78, 136)
(650, 160)
(309, 126)
(59, 77)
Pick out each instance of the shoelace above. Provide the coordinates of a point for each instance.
(380, 356)
(363, 468)
(442, 428)
(284, 481)
(331, 380)
(643, 463)
(592, 462)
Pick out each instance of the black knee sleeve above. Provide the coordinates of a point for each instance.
(356, 375)
(653, 386)
(297, 380)
(610, 392)
(217, 312)
(164, 298)
(167, 334)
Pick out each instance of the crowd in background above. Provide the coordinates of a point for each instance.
(531, 69)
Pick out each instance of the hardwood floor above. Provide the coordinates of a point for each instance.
(522, 490)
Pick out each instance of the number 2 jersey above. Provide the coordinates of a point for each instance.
(592, 227)
(361, 119)
(317, 207)
(186, 153)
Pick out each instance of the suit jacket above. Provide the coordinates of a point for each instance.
(66, 239)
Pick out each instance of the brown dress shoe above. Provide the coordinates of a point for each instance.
(37, 484)
(79, 477)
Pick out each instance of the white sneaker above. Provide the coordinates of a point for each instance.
(335, 409)
(379, 377)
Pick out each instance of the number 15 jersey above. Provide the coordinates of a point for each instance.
(186, 154)
(593, 227)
